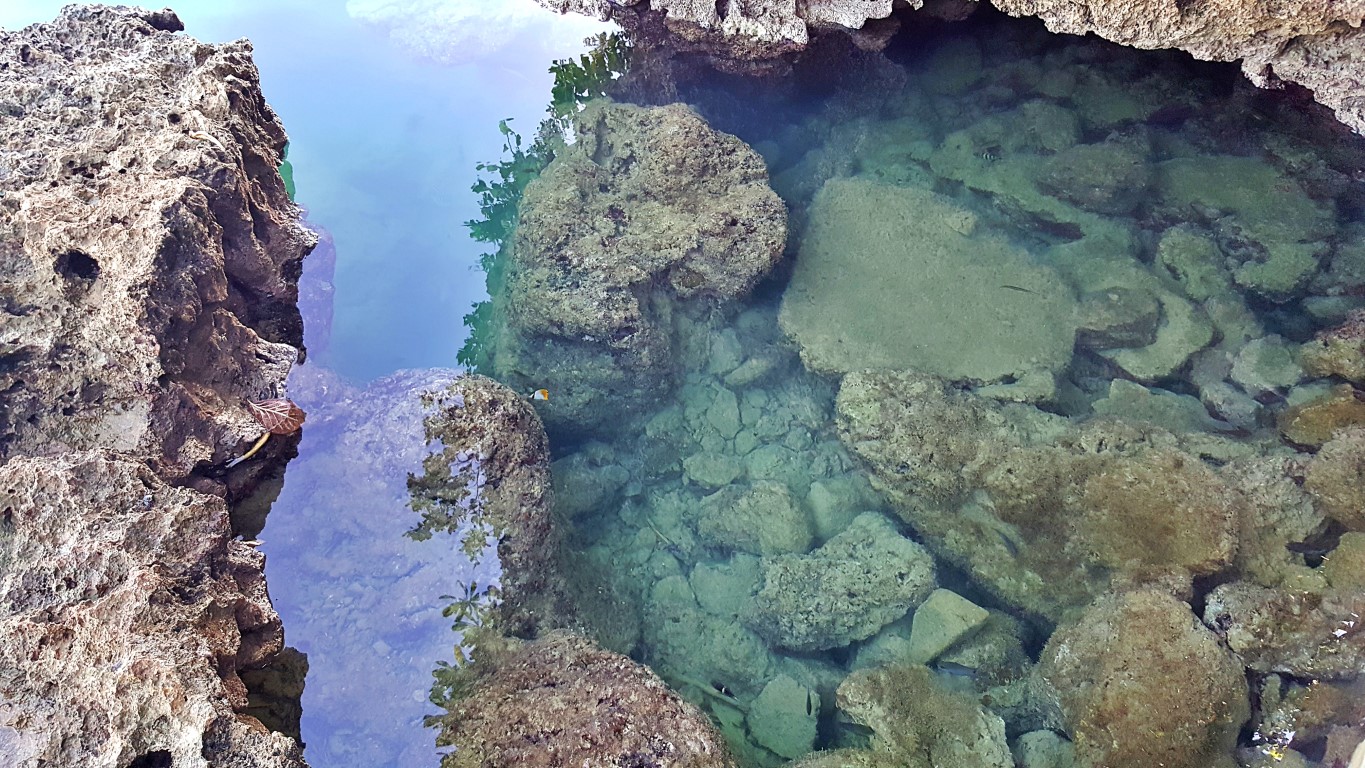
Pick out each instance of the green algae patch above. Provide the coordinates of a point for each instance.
(898, 278)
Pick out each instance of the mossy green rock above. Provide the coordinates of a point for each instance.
(899, 278)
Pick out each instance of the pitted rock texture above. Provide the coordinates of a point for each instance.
(128, 617)
(560, 701)
(1317, 44)
(149, 255)
(149, 259)
(649, 213)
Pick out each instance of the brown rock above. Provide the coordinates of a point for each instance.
(1336, 478)
(560, 701)
(1316, 421)
(1141, 683)
(1302, 633)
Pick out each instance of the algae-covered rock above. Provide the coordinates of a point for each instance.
(694, 646)
(859, 581)
(1345, 569)
(1142, 683)
(1315, 421)
(941, 620)
(1193, 259)
(1266, 366)
(870, 290)
(915, 720)
(1339, 351)
(1041, 513)
(490, 464)
(1336, 478)
(561, 701)
(1272, 228)
(650, 209)
(1308, 634)
(1109, 177)
(1117, 317)
(762, 519)
(1158, 511)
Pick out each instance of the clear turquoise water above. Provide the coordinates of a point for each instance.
(384, 142)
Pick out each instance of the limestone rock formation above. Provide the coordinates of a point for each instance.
(1317, 44)
(128, 618)
(491, 465)
(561, 701)
(149, 255)
(649, 212)
(149, 258)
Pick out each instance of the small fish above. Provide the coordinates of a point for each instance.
(540, 394)
(1019, 288)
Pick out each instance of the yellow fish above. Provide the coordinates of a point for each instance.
(540, 394)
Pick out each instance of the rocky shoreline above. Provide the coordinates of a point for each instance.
(149, 259)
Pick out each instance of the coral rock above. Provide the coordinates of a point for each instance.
(1336, 478)
(1316, 421)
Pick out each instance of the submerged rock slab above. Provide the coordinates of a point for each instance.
(898, 278)
(128, 616)
(649, 212)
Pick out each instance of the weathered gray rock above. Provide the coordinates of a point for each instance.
(940, 621)
(148, 265)
(649, 212)
(128, 616)
(784, 716)
(148, 252)
(859, 581)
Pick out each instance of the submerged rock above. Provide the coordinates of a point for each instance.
(920, 724)
(1141, 683)
(561, 701)
(1308, 634)
(1336, 478)
(1339, 351)
(649, 212)
(892, 277)
(859, 581)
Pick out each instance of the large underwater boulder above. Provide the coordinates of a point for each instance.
(1141, 682)
(561, 701)
(649, 212)
(899, 278)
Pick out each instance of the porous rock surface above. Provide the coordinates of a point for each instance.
(650, 211)
(1317, 44)
(1141, 682)
(129, 616)
(149, 255)
(560, 701)
(504, 481)
(148, 266)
